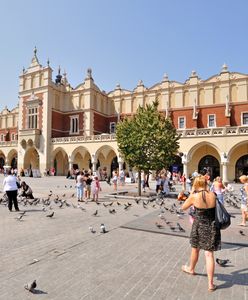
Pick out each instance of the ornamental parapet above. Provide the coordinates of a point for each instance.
(85, 139)
(9, 144)
(217, 131)
(186, 133)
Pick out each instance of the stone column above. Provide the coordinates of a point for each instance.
(120, 162)
(70, 163)
(185, 164)
(224, 172)
(94, 162)
(224, 163)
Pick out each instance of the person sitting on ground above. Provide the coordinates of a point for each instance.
(26, 191)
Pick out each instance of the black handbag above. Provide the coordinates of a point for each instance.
(222, 217)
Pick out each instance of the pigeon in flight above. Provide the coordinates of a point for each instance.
(50, 215)
(222, 262)
(31, 286)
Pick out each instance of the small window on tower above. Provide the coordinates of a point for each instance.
(245, 118)
(74, 126)
(112, 127)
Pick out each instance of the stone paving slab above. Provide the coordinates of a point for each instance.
(72, 263)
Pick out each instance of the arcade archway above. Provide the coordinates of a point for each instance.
(209, 164)
(60, 162)
(31, 159)
(241, 166)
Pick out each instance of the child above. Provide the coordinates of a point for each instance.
(95, 188)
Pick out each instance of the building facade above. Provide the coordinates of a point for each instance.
(57, 126)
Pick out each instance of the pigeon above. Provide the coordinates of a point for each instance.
(222, 262)
(241, 232)
(110, 204)
(103, 228)
(50, 215)
(105, 205)
(63, 195)
(19, 218)
(98, 203)
(31, 286)
(137, 201)
(118, 203)
(112, 211)
(159, 225)
(91, 229)
(180, 228)
(95, 213)
(72, 195)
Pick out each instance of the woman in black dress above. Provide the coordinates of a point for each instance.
(204, 234)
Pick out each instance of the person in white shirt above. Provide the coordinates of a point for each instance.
(10, 187)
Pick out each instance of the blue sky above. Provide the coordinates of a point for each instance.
(122, 41)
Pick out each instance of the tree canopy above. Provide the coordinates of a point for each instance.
(148, 140)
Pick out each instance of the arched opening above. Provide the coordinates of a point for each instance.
(209, 164)
(81, 159)
(241, 166)
(60, 163)
(114, 164)
(12, 159)
(2, 162)
(14, 162)
(31, 159)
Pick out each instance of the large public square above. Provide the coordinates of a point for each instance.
(133, 260)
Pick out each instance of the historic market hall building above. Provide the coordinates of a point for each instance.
(55, 125)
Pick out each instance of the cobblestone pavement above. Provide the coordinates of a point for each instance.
(70, 262)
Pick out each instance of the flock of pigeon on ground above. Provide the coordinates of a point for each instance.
(53, 201)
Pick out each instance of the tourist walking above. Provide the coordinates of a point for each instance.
(88, 181)
(95, 188)
(122, 177)
(204, 235)
(218, 188)
(115, 180)
(10, 187)
(244, 198)
(80, 186)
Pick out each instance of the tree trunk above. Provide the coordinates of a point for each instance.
(139, 183)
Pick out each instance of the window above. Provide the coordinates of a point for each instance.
(112, 127)
(211, 121)
(181, 122)
(32, 118)
(74, 125)
(12, 136)
(2, 138)
(244, 118)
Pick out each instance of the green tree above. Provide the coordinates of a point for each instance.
(148, 140)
